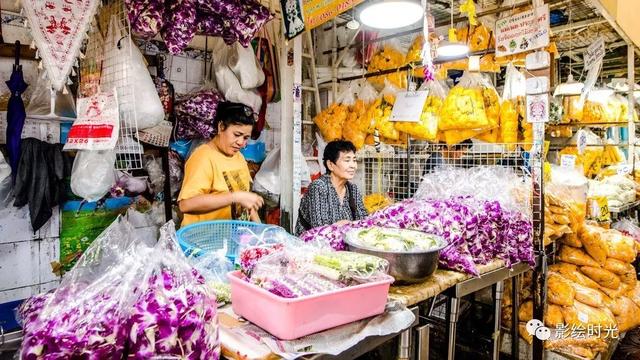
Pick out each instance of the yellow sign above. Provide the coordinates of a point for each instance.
(318, 12)
(599, 208)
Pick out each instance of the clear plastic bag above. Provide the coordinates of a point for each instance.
(351, 129)
(40, 100)
(87, 315)
(148, 107)
(385, 127)
(389, 56)
(464, 107)
(293, 272)
(493, 183)
(93, 174)
(6, 183)
(226, 80)
(244, 64)
(214, 267)
(601, 106)
(628, 227)
(427, 127)
(175, 312)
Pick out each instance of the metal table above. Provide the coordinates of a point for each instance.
(493, 278)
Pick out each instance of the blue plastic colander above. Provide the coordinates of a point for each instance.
(207, 236)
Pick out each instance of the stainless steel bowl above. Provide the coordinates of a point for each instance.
(405, 267)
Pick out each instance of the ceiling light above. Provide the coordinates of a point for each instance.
(448, 49)
(569, 88)
(391, 14)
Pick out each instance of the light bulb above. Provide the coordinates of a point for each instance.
(391, 14)
(452, 49)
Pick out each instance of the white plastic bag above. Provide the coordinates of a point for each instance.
(93, 174)
(6, 188)
(124, 57)
(244, 64)
(40, 101)
(97, 126)
(268, 177)
(226, 80)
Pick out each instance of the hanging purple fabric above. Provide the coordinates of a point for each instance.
(15, 115)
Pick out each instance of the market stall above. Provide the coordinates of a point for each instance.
(258, 180)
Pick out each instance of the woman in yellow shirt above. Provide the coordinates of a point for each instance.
(217, 181)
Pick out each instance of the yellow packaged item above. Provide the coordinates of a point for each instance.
(618, 267)
(584, 315)
(603, 277)
(571, 272)
(525, 313)
(369, 123)
(620, 246)
(560, 291)
(351, 128)
(553, 317)
(572, 109)
(587, 295)
(375, 202)
(415, 55)
(576, 256)
(427, 127)
(331, 120)
(480, 38)
(572, 240)
(627, 313)
(593, 243)
(371, 99)
(388, 58)
(463, 108)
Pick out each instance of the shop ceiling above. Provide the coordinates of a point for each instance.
(571, 38)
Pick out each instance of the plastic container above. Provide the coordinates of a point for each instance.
(289, 319)
(203, 237)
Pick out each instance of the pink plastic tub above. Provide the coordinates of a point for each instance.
(289, 319)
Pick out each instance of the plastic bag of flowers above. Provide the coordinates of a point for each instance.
(86, 316)
(305, 269)
(175, 315)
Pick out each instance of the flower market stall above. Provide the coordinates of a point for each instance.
(319, 179)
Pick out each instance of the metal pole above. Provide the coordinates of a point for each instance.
(334, 60)
(631, 79)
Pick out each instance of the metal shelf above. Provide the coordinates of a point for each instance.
(624, 208)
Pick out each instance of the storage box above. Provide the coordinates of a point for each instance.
(289, 319)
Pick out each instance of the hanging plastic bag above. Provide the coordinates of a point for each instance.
(390, 56)
(147, 105)
(385, 127)
(93, 174)
(244, 64)
(369, 96)
(601, 106)
(331, 121)
(226, 80)
(91, 307)
(464, 107)
(267, 180)
(427, 127)
(98, 123)
(351, 129)
(40, 101)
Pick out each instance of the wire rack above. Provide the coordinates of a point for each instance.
(91, 66)
(116, 74)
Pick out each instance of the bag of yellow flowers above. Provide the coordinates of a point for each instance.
(427, 127)
(601, 106)
(351, 128)
(384, 126)
(515, 89)
(372, 100)
(464, 107)
(390, 56)
(331, 120)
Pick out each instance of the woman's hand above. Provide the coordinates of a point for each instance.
(342, 222)
(248, 200)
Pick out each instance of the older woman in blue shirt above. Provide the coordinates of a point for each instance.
(333, 199)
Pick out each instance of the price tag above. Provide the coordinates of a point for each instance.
(568, 161)
(624, 169)
(582, 141)
(408, 106)
(599, 208)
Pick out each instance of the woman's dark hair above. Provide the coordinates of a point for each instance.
(465, 145)
(230, 113)
(333, 150)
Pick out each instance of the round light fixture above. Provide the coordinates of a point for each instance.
(449, 49)
(391, 14)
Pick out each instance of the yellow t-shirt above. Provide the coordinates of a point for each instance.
(208, 171)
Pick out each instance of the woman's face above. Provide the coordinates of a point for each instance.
(345, 167)
(233, 138)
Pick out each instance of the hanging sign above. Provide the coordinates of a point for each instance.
(58, 28)
(568, 161)
(302, 15)
(408, 106)
(594, 53)
(523, 32)
(538, 108)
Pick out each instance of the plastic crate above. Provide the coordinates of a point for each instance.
(207, 236)
(289, 319)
